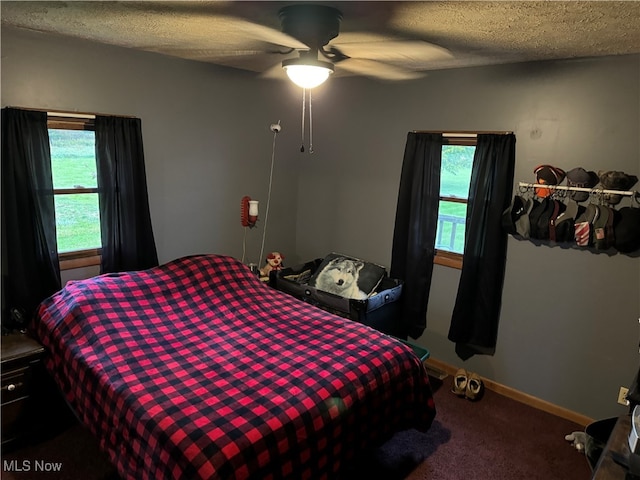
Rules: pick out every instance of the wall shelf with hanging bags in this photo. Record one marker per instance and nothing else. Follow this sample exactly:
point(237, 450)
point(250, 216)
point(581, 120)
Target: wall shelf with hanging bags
point(551, 215)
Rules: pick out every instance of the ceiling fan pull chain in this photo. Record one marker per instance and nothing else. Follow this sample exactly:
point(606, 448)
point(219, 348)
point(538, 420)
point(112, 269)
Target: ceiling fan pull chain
point(310, 126)
point(304, 98)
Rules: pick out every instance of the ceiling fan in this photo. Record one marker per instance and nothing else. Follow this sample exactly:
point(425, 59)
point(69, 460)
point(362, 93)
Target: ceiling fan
point(310, 37)
point(309, 32)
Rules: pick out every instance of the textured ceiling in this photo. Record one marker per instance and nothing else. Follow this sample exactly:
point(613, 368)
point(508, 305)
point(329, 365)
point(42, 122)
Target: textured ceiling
point(247, 35)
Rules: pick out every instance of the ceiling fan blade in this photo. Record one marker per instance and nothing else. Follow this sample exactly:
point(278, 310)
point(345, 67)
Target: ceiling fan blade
point(379, 70)
point(412, 54)
point(270, 35)
point(275, 71)
point(251, 60)
point(393, 49)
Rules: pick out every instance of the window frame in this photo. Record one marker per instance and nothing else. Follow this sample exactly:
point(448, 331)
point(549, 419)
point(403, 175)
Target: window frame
point(444, 257)
point(76, 258)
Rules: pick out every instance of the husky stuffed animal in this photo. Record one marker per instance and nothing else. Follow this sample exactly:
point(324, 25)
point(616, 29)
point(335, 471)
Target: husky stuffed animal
point(340, 277)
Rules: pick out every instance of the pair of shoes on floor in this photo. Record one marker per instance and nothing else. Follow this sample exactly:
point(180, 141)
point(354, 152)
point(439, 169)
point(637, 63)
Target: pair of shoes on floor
point(467, 384)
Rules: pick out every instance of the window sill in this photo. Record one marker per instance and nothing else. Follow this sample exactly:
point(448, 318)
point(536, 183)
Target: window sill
point(448, 259)
point(79, 262)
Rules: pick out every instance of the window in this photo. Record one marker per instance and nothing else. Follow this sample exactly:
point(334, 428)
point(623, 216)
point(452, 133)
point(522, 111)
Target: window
point(457, 160)
point(75, 188)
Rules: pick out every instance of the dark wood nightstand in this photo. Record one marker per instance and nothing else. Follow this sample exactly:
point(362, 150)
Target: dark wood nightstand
point(617, 447)
point(20, 362)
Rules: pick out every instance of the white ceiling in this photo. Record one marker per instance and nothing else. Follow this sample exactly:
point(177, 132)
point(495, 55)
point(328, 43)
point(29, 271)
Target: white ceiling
point(247, 35)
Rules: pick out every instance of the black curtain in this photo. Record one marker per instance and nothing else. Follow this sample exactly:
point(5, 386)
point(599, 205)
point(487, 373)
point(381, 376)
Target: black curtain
point(474, 324)
point(30, 253)
point(125, 221)
point(416, 222)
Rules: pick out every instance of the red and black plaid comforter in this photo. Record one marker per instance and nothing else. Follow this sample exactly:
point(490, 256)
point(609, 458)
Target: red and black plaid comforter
point(196, 369)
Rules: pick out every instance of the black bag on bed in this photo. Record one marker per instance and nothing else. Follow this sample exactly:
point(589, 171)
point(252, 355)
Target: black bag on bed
point(381, 310)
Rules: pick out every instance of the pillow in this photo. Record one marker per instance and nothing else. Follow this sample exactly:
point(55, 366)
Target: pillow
point(347, 277)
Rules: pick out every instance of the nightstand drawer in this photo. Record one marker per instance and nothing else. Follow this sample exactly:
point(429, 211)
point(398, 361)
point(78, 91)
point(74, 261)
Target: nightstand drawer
point(21, 362)
point(15, 384)
point(13, 418)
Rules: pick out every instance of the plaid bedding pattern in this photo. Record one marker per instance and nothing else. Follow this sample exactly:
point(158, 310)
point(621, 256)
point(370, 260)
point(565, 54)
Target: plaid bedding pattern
point(196, 369)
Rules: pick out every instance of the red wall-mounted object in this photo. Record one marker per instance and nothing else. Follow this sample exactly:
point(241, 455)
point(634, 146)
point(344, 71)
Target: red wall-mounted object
point(246, 218)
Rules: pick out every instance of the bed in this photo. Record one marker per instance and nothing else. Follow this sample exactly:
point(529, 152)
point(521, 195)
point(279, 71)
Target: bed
point(197, 369)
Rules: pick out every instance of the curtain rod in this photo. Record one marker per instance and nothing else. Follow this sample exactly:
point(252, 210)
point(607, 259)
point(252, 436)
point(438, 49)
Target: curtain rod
point(464, 133)
point(64, 113)
point(90, 116)
point(628, 193)
point(69, 113)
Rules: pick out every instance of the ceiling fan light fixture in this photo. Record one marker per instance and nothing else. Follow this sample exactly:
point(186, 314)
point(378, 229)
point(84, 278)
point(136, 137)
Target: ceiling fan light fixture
point(307, 72)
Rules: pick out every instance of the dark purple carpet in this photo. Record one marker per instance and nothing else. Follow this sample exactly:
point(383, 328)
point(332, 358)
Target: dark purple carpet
point(493, 439)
